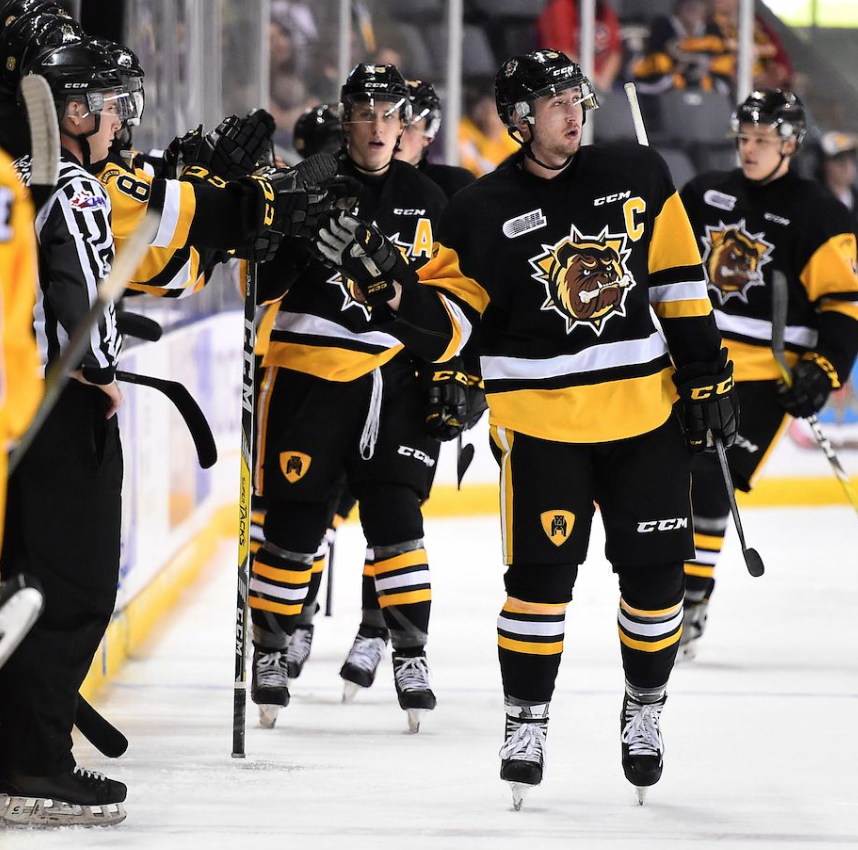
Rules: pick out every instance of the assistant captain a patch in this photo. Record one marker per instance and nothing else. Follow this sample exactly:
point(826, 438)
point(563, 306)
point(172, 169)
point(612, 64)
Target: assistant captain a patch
point(294, 465)
point(557, 525)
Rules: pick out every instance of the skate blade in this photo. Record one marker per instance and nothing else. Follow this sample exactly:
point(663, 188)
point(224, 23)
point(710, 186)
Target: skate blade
point(519, 792)
point(268, 715)
point(415, 715)
point(19, 614)
point(43, 812)
point(350, 691)
point(641, 792)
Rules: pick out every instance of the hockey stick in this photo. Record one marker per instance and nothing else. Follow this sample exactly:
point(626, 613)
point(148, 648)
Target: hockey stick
point(109, 289)
point(21, 603)
point(464, 456)
point(44, 137)
point(100, 732)
point(140, 327)
point(188, 409)
point(753, 561)
point(780, 304)
point(239, 703)
point(329, 583)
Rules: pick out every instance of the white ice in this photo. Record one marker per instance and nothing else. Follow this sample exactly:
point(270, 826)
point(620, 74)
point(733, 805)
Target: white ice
point(760, 731)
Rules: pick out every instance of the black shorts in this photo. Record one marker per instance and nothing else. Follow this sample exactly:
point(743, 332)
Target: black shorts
point(641, 484)
point(761, 422)
point(310, 431)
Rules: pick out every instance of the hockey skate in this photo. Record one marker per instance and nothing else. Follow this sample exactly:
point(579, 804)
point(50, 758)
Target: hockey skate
point(269, 688)
point(361, 664)
point(411, 677)
point(642, 744)
point(77, 798)
point(299, 651)
point(523, 751)
point(20, 605)
point(694, 617)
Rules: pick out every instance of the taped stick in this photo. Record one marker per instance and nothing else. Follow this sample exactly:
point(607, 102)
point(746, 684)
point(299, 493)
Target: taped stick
point(44, 137)
point(637, 117)
point(780, 305)
point(109, 290)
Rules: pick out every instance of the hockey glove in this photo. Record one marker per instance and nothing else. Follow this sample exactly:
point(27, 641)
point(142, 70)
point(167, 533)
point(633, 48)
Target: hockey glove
point(359, 251)
point(447, 401)
point(813, 379)
point(709, 405)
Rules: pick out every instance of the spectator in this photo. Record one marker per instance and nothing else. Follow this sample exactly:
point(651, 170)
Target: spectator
point(838, 168)
point(772, 68)
point(682, 51)
point(288, 93)
point(559, 27)
point(483, 140)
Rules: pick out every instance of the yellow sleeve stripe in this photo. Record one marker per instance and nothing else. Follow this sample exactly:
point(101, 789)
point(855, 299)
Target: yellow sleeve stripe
point(528, 648)
point(399, 562)
point(682, 309)
point(673, 243)
point(456, 342)
point(847, 308)
point(410, 597)
point(831, 268)
point(443, 272)
point(646, 646)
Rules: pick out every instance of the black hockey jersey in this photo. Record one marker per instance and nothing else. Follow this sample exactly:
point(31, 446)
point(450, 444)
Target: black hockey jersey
point(747, 231)
point(320, 328)
point(562, 275)
point(450, 178)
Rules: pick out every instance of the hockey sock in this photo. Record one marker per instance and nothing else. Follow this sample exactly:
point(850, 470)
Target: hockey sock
point(278, 588)
point(311, 606)
point(530, 644)
point(404, 592)
point(372, 622)
point(700, 572)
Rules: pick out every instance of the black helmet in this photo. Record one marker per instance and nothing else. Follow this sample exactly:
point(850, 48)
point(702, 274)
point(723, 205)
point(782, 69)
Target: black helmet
point(523, 79)
point(425, 104)
point(318, 129)
point(369, 83)
point(130, 69)
point(11, 9)
point(28, 34)
point(779, 107)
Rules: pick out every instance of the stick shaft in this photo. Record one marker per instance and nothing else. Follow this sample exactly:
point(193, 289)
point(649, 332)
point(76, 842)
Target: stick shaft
point(637, 117)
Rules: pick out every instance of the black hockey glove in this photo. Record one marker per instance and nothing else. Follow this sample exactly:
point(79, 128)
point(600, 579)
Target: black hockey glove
point(455, 399)
point(359, 251)
point(813, 379)
point(709, 405)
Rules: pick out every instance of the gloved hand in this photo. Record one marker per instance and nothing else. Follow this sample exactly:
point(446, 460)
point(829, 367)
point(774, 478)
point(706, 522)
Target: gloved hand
point(455, 399)
point(709, 405)
point(359, 251)
point(235, 148)
point(813, 379)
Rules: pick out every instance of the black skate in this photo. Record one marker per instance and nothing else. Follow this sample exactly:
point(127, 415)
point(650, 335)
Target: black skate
point(523, 752)
point(21, 602)
point(269, 687)
point(694, 617)
point(411, 677)
point(361, 664)
point(643, 747)
point(299, 651)
point(80, 797)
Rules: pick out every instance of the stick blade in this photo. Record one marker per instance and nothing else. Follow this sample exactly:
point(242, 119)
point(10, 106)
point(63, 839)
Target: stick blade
point(44, 130)
point(463, 462)
point(754, 562)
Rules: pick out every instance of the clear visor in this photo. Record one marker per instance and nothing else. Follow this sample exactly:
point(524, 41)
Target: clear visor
point(364, 111)
point(432, 118)
point(572, 94)
point(116, 102)
point(135, 89)
point(782, 129)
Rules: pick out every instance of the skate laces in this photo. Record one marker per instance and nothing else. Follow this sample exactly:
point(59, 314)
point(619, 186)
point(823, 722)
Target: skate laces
point(412, 674)
point(527, 743)
point(271, 669)
point(84, 773)
point(299, 648)
point(366, 653)
point(641, 731)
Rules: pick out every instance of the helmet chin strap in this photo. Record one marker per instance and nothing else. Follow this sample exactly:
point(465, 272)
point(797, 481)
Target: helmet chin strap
point(764, 181)
point(527, 147)
point(363, 168)
point(83, 140)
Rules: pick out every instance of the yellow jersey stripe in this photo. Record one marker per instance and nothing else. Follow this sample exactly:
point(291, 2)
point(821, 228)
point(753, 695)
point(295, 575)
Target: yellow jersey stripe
point(328, 362)
point(443, 272)
point(673, 242)
point(682, 309)
point(847, 308)
point(756, 362)
point(831, 268)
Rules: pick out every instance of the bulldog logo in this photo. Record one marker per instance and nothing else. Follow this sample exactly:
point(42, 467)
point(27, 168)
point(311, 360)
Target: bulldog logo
point(294, 465)
point(585, 277)
point(557, 525)
point(733, 259)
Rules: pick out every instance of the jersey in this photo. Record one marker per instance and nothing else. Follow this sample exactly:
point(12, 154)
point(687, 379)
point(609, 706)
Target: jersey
point(450, 178)
point(320, 328)
point(75, 252)
point(561, 275)
point(746, 232)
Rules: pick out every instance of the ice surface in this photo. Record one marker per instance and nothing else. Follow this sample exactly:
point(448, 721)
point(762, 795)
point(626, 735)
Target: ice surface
point(760, 731)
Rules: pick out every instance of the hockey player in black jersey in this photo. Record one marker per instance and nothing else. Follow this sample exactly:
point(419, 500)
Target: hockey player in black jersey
point(751, 222)
point(338, 397)
point(318, 129)
point(560, 259)
point(419, 135)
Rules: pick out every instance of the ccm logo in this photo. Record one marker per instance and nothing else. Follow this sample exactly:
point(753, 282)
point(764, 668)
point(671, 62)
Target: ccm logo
point(662, 525)
point(409, 212)
point(417, 455)
point(609, 199)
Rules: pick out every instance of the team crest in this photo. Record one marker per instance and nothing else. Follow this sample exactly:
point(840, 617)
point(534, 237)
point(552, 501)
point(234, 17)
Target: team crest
point(734, 259)
point(557, 525)
point(294, 465)
point(586, 278)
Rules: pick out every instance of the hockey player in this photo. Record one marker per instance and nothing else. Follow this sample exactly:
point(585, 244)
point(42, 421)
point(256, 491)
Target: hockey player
point(750, 222)
point(326, 364)
point(318, 129)
point(559, 258)
point(419, 135)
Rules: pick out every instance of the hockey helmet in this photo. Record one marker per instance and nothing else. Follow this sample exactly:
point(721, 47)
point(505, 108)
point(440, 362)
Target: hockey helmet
point(543, 73)
point(12, 9)
point(780, 108)
point(425, 104)
point(367, 83)
point(318, 129)
point(131, 71)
